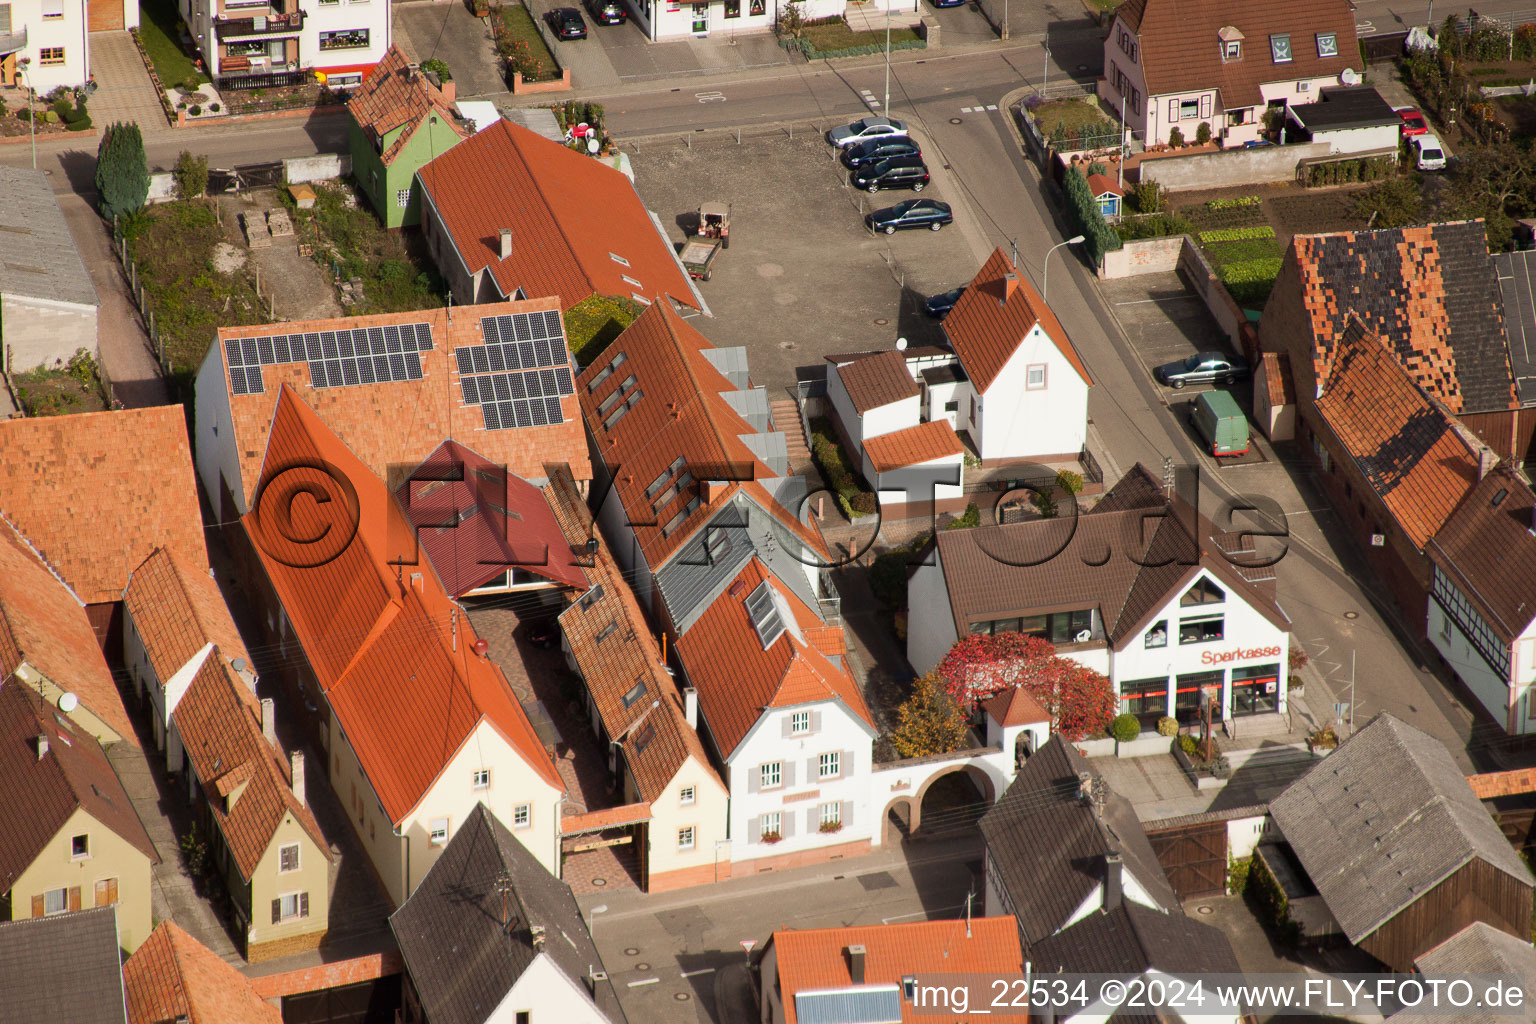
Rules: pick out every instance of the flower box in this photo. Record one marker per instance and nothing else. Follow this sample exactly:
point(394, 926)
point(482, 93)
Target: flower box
point(831, 826)
point(770, 837)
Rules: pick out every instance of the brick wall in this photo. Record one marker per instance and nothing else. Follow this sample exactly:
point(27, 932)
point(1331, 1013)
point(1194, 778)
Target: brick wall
point(259, 951)
point(802, 858)
point(332, 975)
point(1496, 784)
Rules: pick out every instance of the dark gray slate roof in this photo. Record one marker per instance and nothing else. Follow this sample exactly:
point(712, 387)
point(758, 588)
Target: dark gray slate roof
point(1384, 819)
point(1517, 293)
point(1132, 939)
point(38, 257)
point(1353, 106)
point(459, 956)
point(1479, 949)
point(62, 969)
point(1047, 845)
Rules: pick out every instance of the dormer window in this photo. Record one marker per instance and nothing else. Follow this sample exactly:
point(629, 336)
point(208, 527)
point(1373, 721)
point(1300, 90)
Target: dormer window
point(1280, 48)
point(1327, 44)
point(1231, 39)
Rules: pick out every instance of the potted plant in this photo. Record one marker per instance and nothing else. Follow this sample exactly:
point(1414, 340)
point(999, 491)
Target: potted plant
point(831, 826)
point(770, 837)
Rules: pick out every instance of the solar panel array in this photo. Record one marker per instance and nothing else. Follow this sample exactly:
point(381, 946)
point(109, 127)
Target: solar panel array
point(361, 355)
point(519, 375)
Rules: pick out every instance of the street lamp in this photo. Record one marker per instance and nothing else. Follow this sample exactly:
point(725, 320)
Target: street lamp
point(1045, 278)
point(592, 927)
point(21, 69)
point(887, 110)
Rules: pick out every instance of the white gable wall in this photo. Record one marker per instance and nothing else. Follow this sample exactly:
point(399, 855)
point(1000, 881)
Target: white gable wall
point(1133, 891)
point(213, 432)
point(1013, 422)
point(545, 992)
point(930, 632)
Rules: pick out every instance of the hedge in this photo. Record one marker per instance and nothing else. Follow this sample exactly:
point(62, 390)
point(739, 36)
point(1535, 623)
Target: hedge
point(1087, 218)
point(828, 454)
point(1236, 234)
point(808, 48)
point(1344, 172)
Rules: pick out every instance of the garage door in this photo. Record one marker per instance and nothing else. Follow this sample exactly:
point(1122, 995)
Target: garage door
point(105, 15)
point(1194, 857)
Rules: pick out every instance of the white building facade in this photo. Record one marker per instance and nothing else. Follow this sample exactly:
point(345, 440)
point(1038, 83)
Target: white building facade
point(1499, 674)
point(673, 19)
point(342, 38)
point(1036, 408)
point(45, 44)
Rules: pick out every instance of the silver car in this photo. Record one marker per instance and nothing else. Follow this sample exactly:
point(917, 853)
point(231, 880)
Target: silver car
point(864, 129)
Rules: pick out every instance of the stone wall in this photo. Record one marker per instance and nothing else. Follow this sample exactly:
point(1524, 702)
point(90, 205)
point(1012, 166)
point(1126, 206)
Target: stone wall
point(1229, 166)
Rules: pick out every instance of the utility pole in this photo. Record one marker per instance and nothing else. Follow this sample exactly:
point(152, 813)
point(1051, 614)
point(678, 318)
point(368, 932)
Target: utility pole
point(1045, 65)
point(24, 66)
point(1351, 693)
point(887, 110)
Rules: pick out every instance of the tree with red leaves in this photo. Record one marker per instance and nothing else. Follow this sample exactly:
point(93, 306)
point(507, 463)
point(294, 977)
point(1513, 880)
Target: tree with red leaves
point(1079, 700)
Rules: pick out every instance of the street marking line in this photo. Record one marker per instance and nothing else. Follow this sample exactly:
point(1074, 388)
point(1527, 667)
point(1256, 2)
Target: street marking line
point(991, 106)
point(701, 970)
point(965, 110)
point(709, 97)
point(644, 981)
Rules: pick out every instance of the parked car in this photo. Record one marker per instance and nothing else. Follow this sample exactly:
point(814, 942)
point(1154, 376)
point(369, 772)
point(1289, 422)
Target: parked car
point(1413, 121)
point(892, 172)
point(1220, 422)
point(1202, 368)
point(874, 150)
point(939, 305)
point(567, 23)
point(911, 213)
point(1429, 153)
point(948, 3)
point(864, 129)
point(607, 12)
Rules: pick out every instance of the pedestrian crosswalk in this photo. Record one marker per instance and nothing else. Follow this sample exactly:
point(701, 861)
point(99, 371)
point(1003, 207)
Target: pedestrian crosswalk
point(869, 99)
point(978, 110)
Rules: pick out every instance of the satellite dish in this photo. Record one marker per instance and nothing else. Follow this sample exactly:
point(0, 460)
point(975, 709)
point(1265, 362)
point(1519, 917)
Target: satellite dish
point(238, 664)
point(1349, 76)
point(68, 702)
point(593, 145)
point(901, 344)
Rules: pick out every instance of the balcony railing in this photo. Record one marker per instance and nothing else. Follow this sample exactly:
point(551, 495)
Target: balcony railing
point(17, 40)
point(275, 25)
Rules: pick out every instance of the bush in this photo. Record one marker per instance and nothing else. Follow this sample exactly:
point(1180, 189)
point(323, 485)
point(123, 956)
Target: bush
point(191, 175)
point(929, 721)
point(191, 83)
point(122, 172)
point(196, 109)
point(1097, 168)
point(1158, 225)
point(51, 116)
point(1175, 138)
point(829, 457)
point(888, 574)
point(1125, 728)
point(1070, 482)
point(1237, 875)
point(593, 323)
point(1088, 219)
point(1044, 502)
point(1147, 196)
point(438, 67)
point(214, 107)
point(1203, 133)
point(972, 517)
point(1167, 726)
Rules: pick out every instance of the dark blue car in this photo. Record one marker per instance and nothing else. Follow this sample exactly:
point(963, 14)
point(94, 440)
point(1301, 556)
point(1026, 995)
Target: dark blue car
point(875, 150)
point(912, 213)
point(938, 306)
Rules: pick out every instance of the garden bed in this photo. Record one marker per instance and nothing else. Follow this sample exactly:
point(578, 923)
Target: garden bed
point(75, 387)
point(842, 479)
point(1073, 124)
point(521, 45)
point(825, 38)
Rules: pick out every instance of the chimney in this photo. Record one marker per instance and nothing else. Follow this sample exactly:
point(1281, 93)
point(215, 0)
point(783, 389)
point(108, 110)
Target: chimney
point(1114, 881)
point(269, 720)
point(594, 979)
point(536, 931)
point(506, 243)
point(450, 92)
point(856, 964)
point(296, 766)
point(1486, 460)
point(691, 707)
point(42, 745)
point(1085, 787)
point(1010, 285)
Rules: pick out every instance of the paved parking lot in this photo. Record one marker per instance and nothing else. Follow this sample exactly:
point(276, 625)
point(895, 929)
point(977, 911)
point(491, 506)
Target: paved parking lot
point(446, 30)
point(803, 277)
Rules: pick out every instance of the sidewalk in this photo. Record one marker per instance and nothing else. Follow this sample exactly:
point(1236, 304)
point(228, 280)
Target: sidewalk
point(123, 89)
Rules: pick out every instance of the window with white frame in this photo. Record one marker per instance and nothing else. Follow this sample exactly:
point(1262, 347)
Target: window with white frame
point(437, 831)
point(55, 901)
point(288, 858)
point(687, 795)
point(522, 816)
point(800, 723)
point(685, 838)
point(482, 778)
point(770, 824)
point(1232, 49)
point(1327, 44)
point(1034, 377)
point(1189, 109)
point(770, 774)
point(829, 765)
point(79, 847)
point(53, 9)
point(403, 198)
point(290, 905)
point(1280, 48)
point(831, 814)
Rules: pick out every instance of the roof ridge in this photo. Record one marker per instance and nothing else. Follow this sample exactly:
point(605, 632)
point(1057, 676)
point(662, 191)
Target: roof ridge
point(506, 127)
point(41, 558)
point(693, 378)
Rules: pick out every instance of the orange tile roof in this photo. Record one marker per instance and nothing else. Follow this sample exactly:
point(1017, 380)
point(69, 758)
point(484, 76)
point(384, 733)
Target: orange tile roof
point(1277, 379)
point(1103, 184)
point(1180, 51)
point(569, 215)
point(65, 476)
point(392, 655)
point(393, 95)
point(1406, 445)
point(178, 610)
point(815, 959)
point(736, 679)
point(1015, 707)
point(878, 379)
point(679, 413)
point(219, 721)
point(608, 817)
point(989, 322)
point(173, 975)
point(912, 446)
point(393, 426)
point(614, 665)
point(45, 626)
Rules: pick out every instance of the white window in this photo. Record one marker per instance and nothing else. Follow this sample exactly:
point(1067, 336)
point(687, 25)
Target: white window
point(770, 822)
point(5, 19)
point(482, 778)
point(1280, 48)
point(1034, 377)
point(831, 814)
point(829, 766)
point(685, 838)
point(771, 774)
point(437, 831)
point(290, 905)
point(79, 847)
point(1189, 109)
point(522, 815)
point(53, 9)
point(288, 858)
point(686, 795)
point(55, 901)
point(800, 723)
point(403, 198)
point(1232, 50)
point(1327, 44)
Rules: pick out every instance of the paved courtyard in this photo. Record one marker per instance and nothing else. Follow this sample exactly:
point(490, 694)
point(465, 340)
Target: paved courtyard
point(446, 30)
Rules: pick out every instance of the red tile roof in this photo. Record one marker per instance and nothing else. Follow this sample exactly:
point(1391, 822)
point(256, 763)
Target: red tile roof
point(878, 379)
point(394, 95)
point(475, 521)
point(737, 679)
point(570, 216)
point(177, 610)
point(42, 793)
point(816, 959)
point(1180, 49)
point(628, 814)
point(173, 975)
point(219, 721)
point(912, 446)
point(364, 631)
point(393, 426)
point(1280, 389)
point(992, 318)
point(45, 626)
point(1103, 184)
point(1407, 446)
point(67, 475)
point(1487, 548)
point(679, 414)
point(612, 665)
point(1015, 707)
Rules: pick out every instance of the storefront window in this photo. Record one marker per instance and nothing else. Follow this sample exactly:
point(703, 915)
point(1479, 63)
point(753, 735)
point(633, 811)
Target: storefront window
point(1147, 699)
point(1186, 699)
point(1202, 630)
point(1255, 689)
point(733, 8)
point(1157, 636)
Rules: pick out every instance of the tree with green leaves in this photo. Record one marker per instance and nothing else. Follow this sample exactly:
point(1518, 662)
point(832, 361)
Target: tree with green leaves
point(929, 721)
point(1495, 183)
point(191, 174)
point(122, 171)
point(1393, 203)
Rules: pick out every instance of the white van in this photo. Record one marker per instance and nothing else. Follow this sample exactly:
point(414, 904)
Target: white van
point(1430, 153)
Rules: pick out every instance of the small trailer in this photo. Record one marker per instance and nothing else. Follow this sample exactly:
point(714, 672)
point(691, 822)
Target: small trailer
point(712, 235)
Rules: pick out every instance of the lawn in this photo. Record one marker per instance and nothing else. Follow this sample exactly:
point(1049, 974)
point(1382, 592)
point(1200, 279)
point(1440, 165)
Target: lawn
point(834, 34)
point(354, 247)
point(519, 41)
point(595, 321)
point(160, 33)
point(1072, 119)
